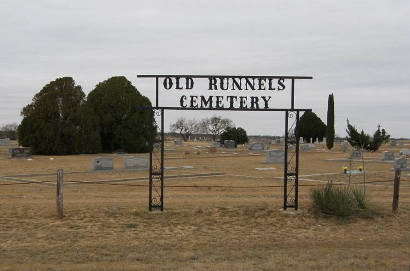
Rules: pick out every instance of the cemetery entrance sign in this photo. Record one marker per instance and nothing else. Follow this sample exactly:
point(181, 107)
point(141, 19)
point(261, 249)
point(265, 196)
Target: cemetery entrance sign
point(225, 93)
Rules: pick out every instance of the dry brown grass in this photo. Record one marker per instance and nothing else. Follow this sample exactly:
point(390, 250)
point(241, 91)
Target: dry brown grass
point(108, 227)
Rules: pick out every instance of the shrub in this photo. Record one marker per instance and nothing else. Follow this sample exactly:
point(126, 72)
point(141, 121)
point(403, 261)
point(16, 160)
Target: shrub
point(360, 198)
point(338, 201)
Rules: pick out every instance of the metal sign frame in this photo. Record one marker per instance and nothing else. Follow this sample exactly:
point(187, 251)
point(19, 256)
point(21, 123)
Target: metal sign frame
point(291, 163)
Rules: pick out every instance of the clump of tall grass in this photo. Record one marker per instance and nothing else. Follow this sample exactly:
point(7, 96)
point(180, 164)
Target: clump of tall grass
point(338, 200)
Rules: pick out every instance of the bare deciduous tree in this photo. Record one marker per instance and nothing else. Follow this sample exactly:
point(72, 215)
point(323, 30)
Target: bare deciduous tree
point(217, 125)
point(9, 130)
point(184, 127)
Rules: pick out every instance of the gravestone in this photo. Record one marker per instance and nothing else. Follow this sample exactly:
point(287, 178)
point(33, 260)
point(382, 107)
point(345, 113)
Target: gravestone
point(388, 156)
point(393, 143)
point(257, 146)
point(401, 144)
point(301, 141)
point(178, 142)
point(304, 147)
point(20, 152)
point(216, 144)
point(4, 141)
point(355, 154)
point(135, 163)
point(277, 141)
point(344, 145)
point(405, 152)
point(312, 145)
point(400, 163)
point(229, 144)
point(103, 163)
point(274, 156)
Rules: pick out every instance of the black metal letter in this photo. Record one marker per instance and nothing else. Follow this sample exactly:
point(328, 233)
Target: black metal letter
point(212, 83)
point(264, 98)
point(167, 82)
point(189, 83)
point(182, 100)
point(281, 84)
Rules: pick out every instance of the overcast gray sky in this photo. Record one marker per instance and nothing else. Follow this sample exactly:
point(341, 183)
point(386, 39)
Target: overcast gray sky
point(359, 50)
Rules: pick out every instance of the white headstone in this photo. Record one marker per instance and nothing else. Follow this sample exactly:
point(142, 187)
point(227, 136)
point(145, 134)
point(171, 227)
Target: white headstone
point(401, 144)
point(355, 154)
point(344, 145)
point(135, 163)
point(388, 156)
point(257, 146)
point(312, 145)
point(274, 156)
point(304, 147)
point(4, 141)
point(400, 163)
point(405, 153)
point(103, 163)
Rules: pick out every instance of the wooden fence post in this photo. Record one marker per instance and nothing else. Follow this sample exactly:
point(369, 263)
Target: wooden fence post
point(397, 172)
point(60, 182)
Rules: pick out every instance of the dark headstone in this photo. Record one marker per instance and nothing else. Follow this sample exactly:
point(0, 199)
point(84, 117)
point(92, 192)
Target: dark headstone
point(229, 144)
point(19, 152)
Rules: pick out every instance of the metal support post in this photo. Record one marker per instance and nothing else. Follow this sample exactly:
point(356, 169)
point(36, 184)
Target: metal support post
point(291, 163)
point(156, 174)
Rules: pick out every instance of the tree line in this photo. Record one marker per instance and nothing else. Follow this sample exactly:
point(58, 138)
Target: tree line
point(217, 127)
point(62, 120)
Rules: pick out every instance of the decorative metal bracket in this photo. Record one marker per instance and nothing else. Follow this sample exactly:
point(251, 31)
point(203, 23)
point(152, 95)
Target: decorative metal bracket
point(291, 165)
point(156, 167)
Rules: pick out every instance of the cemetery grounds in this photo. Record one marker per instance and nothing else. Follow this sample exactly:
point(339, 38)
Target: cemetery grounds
point(221, 214)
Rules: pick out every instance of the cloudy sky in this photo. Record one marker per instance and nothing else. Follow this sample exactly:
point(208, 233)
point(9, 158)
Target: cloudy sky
point(358, 50)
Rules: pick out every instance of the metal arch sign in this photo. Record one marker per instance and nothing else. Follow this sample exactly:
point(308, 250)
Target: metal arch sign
point(234, 88)
point(262, 89)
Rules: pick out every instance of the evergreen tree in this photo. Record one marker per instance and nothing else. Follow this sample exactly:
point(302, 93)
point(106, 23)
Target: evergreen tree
point(122, 123)
point(52, 122)
point(365, 141)
point(311, 127)
point(237, 134)
point(330, 127)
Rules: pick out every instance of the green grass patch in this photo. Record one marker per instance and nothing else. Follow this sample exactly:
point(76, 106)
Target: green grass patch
point(339, 201)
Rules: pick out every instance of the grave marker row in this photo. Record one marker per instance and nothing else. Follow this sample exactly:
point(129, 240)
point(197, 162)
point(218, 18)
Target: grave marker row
point(257, 146)
point(229, 144)
point(4, 141)
point(19, 152)
point(130, 163)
